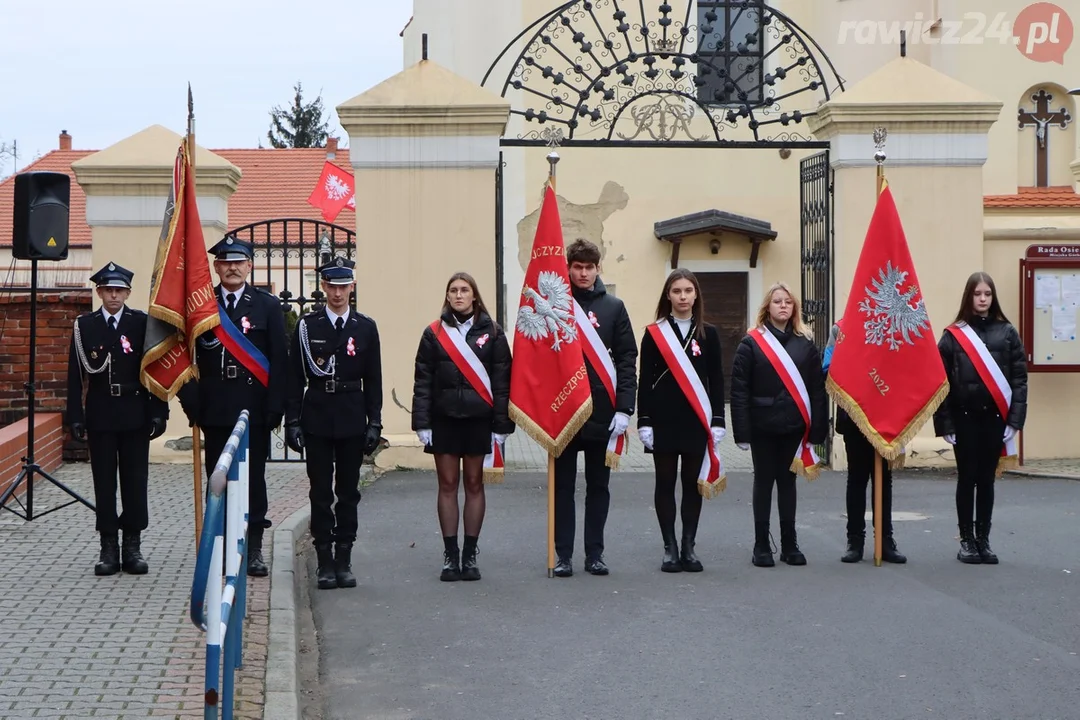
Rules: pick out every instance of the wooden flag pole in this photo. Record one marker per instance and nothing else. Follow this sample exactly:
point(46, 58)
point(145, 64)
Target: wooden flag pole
point(553, 160)
point(879, 140)
point(196, 439)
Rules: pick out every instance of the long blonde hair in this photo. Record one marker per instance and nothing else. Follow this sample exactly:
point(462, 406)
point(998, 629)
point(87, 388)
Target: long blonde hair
point(796, 322)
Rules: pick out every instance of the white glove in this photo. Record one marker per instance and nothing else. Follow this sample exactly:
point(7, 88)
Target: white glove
point(951, 439)
point(500, 439)
point(743, 446)
point(424, 436)
point(645, 434)
point(1010, 433)
point(619, 423)
point(718, 434)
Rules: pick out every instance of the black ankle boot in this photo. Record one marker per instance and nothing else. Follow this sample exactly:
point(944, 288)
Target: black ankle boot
point(688, 560)
point(469, 571)
point(855, 546)
point(789, 544)
point(671, 563)
point(327, 577)
point(131, 559)
point(109, 560)
point(763, 556)
point(256, 566)
point(982, 543)
point(969, 552)
point(451, 566)
point(343, 565)
point(889, 552)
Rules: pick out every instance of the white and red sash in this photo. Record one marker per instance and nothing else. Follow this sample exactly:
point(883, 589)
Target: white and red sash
point(806, 461)
point(600, 359)
point(993, 378)
point(711, 478)
point(467, 362)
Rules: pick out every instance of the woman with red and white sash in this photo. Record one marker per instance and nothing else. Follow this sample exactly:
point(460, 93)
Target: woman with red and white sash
point(778, 412)
point(986, 366)
point(460, 413)
point(681, 412)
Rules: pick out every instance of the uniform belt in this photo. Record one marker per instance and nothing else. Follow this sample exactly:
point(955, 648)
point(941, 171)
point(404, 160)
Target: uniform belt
point(123, 389)
point(331, 386)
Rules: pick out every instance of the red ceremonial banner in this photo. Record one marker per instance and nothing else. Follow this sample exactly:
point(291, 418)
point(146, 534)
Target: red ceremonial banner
point(886, 370)
point(550, 396)
point(335, 191)
point(182, 303)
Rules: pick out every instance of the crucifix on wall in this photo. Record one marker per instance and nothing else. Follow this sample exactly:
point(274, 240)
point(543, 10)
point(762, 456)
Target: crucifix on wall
point(1043, 119)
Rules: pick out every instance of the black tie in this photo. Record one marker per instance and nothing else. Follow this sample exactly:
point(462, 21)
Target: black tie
point(230, 303)
point(339, 324)
point(112, 322)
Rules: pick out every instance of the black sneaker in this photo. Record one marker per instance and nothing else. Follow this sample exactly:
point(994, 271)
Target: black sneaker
point(596, 566)
point(451, 570)
point(563, 568)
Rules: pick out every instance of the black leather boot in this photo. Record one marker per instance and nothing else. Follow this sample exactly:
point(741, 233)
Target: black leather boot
point(343, 565)
point(889, 553)
point(131, 559)
point(109, 560)
point(327, 577)
point(763, 556)
point(256, 566)
point(855, 546)
point(982, 543)
point(969, 552)
point(789, 544)
point(469, 571)
point(687, 558)
point(451, 566)
point(671, 563)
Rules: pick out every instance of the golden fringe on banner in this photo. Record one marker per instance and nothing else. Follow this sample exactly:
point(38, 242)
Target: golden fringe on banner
point(712, 490)
point(1009, 462)
point(612, 460)
point(810, 473)
point(554, 446)
point(494, 476)
point(888, 451)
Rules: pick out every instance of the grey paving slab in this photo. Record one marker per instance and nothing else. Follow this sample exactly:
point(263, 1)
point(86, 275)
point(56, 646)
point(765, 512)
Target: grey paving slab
point(930, 639)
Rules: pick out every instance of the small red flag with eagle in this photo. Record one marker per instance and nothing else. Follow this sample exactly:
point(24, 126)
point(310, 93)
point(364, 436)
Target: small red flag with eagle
point(335, 191)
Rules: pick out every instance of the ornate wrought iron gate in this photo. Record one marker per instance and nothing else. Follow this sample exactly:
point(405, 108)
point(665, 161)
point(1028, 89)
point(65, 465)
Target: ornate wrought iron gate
point(287, 253)
point(817, 291)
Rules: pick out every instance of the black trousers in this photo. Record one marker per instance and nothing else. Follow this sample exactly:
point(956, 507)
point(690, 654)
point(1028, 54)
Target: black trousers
point(333, 467)
point(772, 455)
point(978, 449)
point(129, 453)
point(597, 498)
point(860, 471)
point(258, 449)
point(667, 475)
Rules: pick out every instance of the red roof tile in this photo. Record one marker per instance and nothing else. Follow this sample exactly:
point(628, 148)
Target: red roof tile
point(275, 184)
point(1058, 196)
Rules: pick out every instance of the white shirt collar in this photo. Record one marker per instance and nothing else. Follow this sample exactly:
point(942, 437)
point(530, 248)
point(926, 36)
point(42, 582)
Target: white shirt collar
point(105, 313)
point(463, 327)
point(333, 317)
point(236, 293)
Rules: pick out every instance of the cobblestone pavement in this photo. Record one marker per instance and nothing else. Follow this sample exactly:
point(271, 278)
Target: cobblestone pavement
point(77, 646)
point(1056, 467)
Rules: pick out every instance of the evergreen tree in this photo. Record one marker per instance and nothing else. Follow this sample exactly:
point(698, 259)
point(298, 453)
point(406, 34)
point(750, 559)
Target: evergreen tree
point(299, 126)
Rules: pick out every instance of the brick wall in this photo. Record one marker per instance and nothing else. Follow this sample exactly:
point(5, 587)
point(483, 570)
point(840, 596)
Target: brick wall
point(48, 447)
point(56, 313)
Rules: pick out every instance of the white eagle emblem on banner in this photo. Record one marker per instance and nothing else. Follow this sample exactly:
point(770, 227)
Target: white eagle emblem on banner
point(893, 313)
point(550, 312)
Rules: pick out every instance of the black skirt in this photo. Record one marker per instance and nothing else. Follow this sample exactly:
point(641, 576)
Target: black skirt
point(457, 436)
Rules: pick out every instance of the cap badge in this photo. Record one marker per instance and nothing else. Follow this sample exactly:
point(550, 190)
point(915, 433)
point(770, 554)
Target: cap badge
point(340, 262)
point(228, 241)
point(112, 266)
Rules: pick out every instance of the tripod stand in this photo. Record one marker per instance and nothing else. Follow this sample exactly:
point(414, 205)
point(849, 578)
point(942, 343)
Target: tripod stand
point(31, 468)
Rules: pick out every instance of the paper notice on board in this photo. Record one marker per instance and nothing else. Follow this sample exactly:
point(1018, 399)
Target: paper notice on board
point(1047, 291)
point(1063, 323)
point(1070, 289)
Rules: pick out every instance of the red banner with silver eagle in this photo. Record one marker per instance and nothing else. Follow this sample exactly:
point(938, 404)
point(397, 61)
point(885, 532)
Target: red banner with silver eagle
point(550, 397)
point(182, 303)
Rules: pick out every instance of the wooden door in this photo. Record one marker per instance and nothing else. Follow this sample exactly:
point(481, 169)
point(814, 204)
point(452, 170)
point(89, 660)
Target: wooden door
point(725, 298)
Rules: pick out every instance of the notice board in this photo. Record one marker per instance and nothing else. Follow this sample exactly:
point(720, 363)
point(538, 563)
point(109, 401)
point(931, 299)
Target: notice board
point(1050, 307)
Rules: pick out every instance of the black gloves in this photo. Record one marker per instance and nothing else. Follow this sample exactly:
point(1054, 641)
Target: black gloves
point(371, 439)
point(294, 437)
point(157, 427)
point(78, 431)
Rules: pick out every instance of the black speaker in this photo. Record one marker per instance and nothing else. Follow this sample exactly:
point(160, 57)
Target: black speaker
point(40, 228)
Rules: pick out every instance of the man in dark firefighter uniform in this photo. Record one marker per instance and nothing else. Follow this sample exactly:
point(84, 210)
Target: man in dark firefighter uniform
point(247, 373)
point(120, 417)
point(338, 418)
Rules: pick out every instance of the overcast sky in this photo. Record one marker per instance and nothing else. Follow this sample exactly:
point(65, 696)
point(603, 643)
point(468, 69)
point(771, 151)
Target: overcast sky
point(106, 69)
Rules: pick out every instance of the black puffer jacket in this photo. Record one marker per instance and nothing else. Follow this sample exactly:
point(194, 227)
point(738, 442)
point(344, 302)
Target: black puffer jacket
point(439, 388)
point(761, 404)
point(612, 324)
point(967, 392)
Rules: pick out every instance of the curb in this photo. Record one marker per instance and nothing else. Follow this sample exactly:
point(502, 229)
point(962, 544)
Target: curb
point(1044, 474)
point(282, 697)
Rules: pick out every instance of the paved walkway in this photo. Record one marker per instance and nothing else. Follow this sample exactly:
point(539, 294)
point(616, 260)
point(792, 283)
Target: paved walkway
point(73, 645)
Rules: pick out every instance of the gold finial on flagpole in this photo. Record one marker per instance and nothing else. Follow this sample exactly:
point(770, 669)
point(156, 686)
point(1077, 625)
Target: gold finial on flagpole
point(880, 134)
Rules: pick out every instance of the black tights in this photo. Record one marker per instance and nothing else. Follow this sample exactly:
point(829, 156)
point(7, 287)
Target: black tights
point(448, 468)
point(666, 465)
point(772, 456)
point(977, 451)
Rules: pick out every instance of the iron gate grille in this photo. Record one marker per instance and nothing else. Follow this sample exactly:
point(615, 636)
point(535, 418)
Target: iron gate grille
point(287, 253)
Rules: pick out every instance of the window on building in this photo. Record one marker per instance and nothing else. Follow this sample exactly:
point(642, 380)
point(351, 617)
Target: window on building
point(731, 49)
